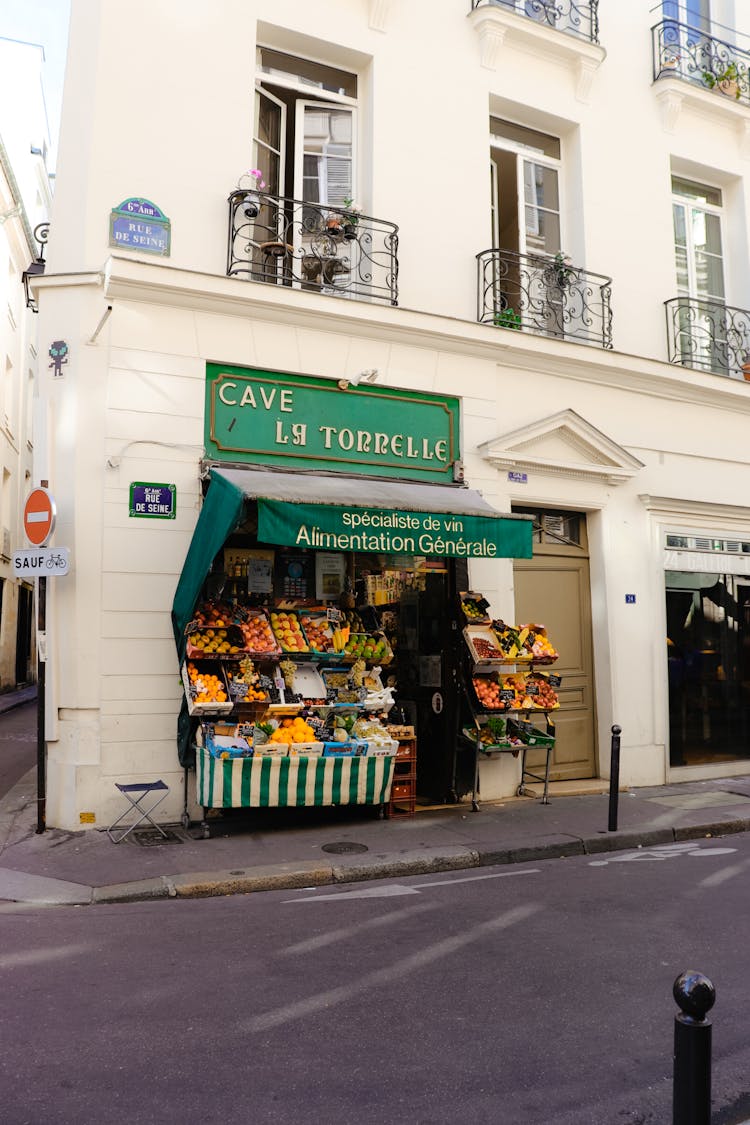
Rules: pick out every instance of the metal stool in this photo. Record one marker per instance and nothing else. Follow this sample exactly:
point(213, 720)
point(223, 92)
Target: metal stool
point(135, 793)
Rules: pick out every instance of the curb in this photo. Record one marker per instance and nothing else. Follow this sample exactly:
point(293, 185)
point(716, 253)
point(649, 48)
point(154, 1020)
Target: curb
point(16, 886)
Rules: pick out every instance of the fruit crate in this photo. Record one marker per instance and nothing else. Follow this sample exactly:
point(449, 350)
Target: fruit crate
point(483, 647)
point(373, 648)
point(214, 642)
point(204, 668)
point(258, 637)
point(475, 608)
point(288, 631)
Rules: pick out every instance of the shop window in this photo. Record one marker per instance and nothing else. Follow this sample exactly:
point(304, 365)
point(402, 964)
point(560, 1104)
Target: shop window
point(708, 667)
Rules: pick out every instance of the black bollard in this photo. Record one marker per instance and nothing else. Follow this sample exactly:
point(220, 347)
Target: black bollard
point(614, 779)
point(695, 996)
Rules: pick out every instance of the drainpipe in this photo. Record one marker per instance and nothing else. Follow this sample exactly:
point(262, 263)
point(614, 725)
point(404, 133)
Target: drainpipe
point(15, 192)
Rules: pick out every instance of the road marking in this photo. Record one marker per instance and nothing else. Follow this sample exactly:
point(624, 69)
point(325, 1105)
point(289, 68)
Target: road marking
point(475, 878)
point(345, 932)
point(393, 890)
point(395, 971)
point(661, 852)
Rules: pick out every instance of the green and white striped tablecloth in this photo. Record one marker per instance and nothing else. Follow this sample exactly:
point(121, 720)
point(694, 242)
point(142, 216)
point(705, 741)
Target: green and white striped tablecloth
point(276, 782)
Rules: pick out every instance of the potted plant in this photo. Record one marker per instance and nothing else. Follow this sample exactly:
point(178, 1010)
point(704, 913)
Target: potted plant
point(507, 318)
point(746, 367)
point(729, 81)
point(334, 224)
point(564, 271)
point(352, 212)
point(251, 202)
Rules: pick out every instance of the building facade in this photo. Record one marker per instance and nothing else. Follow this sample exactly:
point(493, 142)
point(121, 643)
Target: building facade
point(25, 198)
point(547, 214)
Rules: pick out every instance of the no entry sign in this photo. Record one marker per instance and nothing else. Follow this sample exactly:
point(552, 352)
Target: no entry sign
point(39, 516)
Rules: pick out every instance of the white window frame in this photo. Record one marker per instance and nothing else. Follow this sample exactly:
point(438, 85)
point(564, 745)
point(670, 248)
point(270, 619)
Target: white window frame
point(301, 106)
point(525, 153)
point(261, 93)
point(689, 206)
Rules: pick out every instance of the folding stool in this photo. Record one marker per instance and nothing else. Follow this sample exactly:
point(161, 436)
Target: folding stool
point(135, 793)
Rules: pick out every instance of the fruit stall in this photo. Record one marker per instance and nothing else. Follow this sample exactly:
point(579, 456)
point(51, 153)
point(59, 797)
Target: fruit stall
point(505, 694)
point(296, 659)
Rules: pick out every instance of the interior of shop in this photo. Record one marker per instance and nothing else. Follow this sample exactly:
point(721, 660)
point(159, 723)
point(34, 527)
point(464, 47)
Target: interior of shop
point(708, 662)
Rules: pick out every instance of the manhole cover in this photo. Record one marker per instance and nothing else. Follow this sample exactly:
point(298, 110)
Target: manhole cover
point(150, 838)
point(344, 848)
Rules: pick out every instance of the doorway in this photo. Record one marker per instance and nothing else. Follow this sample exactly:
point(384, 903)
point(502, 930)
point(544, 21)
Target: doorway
point(553, 589)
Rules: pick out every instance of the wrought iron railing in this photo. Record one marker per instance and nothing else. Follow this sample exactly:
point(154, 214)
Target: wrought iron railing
point(311, 246)
point(708, 335)
point(576, 17)
point(545, 295)
point(681, 51)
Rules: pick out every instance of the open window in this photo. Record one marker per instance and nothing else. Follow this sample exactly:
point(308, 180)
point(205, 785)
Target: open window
point(304, 147)
point(702, 324)
point(524, 167)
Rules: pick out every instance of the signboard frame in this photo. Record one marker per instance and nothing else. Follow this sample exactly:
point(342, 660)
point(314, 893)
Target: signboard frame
point(309, 423)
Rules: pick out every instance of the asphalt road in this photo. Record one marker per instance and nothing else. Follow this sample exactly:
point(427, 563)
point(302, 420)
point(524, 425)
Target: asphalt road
point(532, 995)
point(17, 744)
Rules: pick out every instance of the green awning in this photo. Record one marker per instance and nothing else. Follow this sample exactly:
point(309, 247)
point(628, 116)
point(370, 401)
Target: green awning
point(339, 513)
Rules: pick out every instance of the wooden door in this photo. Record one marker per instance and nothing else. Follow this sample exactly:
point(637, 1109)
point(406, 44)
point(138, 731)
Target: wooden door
point(553, 589)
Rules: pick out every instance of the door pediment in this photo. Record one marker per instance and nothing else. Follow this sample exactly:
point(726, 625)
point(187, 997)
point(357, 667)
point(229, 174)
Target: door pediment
point(564, 444)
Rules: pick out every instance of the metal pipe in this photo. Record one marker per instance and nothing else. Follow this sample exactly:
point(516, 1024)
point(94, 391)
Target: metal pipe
point(41, 675)
point(614, 779)
point(691, 1102)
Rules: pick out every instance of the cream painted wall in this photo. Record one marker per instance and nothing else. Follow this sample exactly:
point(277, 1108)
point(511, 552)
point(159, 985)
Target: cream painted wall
point(176, 129)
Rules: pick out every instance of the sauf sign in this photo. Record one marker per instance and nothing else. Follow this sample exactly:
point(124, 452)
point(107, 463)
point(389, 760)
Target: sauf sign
point(301, 422)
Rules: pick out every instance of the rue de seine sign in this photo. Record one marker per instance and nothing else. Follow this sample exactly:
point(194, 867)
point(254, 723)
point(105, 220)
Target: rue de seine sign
point(306, 423)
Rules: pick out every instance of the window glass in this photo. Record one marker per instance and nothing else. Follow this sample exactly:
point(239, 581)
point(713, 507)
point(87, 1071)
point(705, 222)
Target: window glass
point(327, 156)
point(525, 138)
point(699, 193)
point(708, 667)
point(307, 73)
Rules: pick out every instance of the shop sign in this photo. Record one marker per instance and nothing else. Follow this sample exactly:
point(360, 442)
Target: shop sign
point(153, 501)
point(387, 531)
point(138, 224)
point(307, 423)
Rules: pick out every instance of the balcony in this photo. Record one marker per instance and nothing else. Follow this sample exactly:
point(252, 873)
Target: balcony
point(574, 17)
point(545, 296)
point(708, 335)
point(314, 247)
point(714, 64)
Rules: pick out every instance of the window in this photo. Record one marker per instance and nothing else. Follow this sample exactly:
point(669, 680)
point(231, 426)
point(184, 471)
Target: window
point(305, 129)
point(708, 666)
point(697, 216)
point(694, 14)
point(525, 193)
point(527, 285)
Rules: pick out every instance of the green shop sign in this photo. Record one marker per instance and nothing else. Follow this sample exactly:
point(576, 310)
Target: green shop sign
point(387, 531)
point(303, 422)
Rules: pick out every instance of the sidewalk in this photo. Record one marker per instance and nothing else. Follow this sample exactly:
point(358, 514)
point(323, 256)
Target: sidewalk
point(265, 849)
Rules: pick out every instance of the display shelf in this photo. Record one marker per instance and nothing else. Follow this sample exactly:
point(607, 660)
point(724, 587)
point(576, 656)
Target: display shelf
point(404, 788)
point(508, 698)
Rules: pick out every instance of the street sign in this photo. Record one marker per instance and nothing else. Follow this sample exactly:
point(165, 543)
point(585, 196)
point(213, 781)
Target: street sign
point(41, 562)
point(39, 516)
